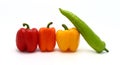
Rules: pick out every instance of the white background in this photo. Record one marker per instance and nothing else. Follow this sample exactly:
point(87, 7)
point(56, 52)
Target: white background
point(103, 16)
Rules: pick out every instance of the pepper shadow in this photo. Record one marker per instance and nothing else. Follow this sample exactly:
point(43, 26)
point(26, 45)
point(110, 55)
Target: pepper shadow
point(68, 51)
point(24, 52)
point(89, 51)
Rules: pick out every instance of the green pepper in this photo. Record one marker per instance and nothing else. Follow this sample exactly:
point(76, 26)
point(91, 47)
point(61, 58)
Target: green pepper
point(92, 39)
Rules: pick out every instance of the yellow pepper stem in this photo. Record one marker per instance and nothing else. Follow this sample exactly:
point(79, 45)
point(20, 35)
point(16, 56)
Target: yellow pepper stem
point(64, 26)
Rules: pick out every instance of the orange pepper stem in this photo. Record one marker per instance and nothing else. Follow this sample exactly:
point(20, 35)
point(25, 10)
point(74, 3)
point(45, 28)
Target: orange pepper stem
point(49, 24)
point(64, 26)
point(25, 24)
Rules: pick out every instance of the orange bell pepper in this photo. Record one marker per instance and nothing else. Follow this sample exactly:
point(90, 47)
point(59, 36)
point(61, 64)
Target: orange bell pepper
point(47, 38)
point(68, 39)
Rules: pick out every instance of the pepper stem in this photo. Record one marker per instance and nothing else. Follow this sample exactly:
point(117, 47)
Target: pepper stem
point(106, 50)
point(64, 26)
point(49, 24)
point(25, 24)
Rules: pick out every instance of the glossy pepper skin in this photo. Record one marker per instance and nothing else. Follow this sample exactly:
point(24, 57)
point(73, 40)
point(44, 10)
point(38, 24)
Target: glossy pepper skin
point(27, 39)
point(47, 38)
point(68, 40)
point(88, 34)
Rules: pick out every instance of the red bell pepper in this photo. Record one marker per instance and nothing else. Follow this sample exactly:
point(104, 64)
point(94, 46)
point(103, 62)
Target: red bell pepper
point(47, 38)
point(27, 39)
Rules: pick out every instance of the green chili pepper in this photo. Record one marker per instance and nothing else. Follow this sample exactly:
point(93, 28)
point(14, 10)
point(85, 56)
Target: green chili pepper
point(92, 39)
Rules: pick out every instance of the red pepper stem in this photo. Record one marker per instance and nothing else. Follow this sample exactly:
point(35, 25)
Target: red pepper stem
point(25, 24)
point(64, 26)
point(49, 24)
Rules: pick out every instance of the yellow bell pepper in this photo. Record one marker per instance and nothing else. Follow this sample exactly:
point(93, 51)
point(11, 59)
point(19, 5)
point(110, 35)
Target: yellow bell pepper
point(68, 40)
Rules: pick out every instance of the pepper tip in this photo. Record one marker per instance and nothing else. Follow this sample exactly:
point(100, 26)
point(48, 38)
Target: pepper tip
point(106, 50)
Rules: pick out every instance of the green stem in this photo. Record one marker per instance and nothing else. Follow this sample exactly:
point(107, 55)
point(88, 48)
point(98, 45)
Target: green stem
point(25, 24)
point(49, 24)
point(64, 26)
point(106, 50)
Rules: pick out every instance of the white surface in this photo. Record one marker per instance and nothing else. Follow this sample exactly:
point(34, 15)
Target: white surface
point(103, 16)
